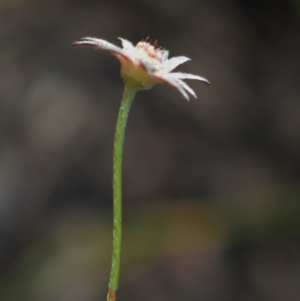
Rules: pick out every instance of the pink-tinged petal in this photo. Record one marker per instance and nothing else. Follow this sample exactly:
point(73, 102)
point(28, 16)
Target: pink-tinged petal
point(103, 45)
point(190, 76)
point(173, 82)
point(97, 43)
point(126, 44)
point(172, 63)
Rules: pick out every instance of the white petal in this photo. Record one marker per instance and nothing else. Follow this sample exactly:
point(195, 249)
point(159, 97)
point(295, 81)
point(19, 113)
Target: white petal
point(97, 43)
point(149, 66)
point(164, 54)
point(187, 88)
point(172, 63)
point(104, 45)
point(180, 89)
point(190, 76)
point(126, 44)
point(174, 82)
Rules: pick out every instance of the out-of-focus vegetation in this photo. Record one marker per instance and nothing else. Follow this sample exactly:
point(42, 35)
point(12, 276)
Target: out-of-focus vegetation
point(72, 260)
point(211, 187)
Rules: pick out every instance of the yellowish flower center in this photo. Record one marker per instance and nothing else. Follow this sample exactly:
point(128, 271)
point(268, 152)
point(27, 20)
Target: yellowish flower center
point(146, 60)
point(136, 75)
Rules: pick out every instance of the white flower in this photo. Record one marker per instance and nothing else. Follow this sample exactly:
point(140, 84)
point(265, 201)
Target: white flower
point(146, 64)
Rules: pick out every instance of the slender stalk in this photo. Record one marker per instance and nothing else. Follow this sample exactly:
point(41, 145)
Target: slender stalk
point(126, 102)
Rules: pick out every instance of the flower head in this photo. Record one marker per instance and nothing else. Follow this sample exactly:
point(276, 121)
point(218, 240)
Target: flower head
point(146, 64)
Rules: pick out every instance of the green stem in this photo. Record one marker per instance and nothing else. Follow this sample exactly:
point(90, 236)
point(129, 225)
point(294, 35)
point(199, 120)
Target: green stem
point(128, 96)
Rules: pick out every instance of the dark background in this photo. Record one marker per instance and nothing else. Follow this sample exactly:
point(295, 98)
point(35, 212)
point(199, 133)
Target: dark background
point(211, 187)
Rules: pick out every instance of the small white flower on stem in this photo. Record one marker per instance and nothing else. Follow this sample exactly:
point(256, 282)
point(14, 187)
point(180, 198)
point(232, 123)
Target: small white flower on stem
point(146, 64)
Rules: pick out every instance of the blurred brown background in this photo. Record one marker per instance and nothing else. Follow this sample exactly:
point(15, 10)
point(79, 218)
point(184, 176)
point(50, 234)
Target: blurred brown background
point(211, 187)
